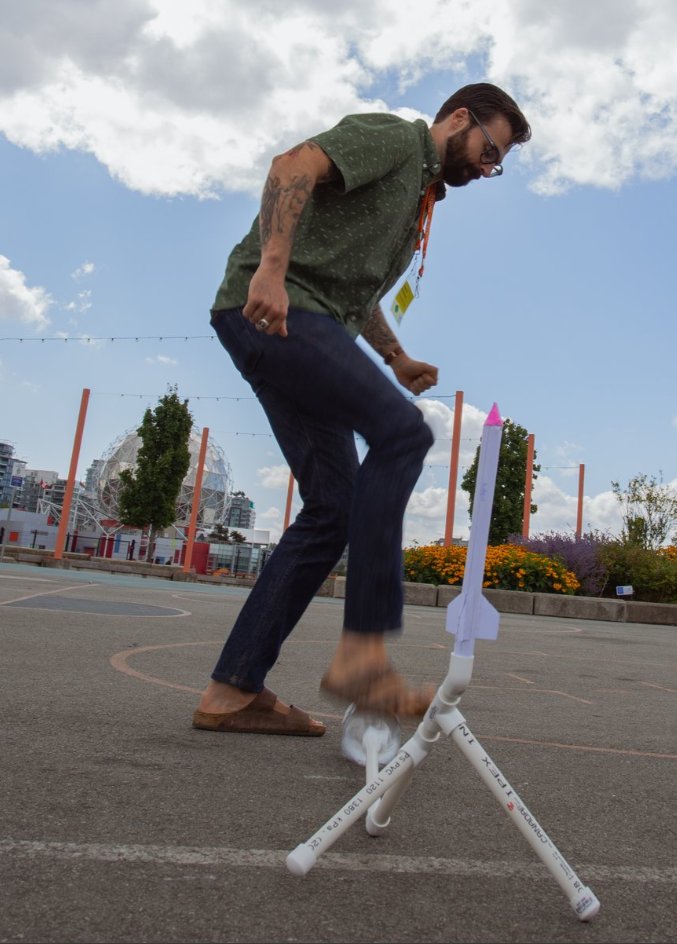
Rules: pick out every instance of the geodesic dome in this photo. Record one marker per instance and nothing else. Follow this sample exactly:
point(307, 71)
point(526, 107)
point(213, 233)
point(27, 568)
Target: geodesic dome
point(217, 480)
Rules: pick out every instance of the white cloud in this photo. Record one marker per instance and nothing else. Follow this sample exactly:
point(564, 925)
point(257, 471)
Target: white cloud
point(190, 98)
point(161, 359)
point(85, 269)
point(273, 515)
point(426, 515)
point(440, 419)
point(274, 476)
point(18, 301)
point(83, 303)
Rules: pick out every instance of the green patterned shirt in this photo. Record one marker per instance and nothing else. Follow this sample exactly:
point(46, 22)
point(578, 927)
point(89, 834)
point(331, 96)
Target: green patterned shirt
point(355, 237)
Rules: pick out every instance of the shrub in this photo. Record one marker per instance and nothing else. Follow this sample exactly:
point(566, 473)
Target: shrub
point(579, 555)
point(652, 574)
point(507, 567)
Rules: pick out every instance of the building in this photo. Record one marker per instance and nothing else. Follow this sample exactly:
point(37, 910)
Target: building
point(36, 483)
point(10, 467)
point(92, 475)
point(240, 514)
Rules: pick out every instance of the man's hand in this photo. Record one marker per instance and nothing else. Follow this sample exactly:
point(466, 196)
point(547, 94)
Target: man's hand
point(416, 376)
point(267, 302)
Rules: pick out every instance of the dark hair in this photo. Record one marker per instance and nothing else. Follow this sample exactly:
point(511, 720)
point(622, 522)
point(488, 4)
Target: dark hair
point(485, 101)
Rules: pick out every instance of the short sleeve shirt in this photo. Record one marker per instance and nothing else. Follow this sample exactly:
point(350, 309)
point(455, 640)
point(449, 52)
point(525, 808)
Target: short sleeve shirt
point(356, 236)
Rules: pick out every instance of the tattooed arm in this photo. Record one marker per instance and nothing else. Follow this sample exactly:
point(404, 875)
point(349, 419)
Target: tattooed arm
point(290, 181)
point(416, 376)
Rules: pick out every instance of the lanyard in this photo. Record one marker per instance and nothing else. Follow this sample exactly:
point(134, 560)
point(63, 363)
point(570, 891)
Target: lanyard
point(406, 294)
point(423, 229)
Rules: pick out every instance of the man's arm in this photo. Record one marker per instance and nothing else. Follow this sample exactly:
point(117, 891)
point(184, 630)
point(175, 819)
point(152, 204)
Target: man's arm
point(416, 376)
point(291, 179)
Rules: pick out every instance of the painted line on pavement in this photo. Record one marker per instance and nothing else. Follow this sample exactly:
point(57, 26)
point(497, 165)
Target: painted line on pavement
point(332, 861)
point(45, 593)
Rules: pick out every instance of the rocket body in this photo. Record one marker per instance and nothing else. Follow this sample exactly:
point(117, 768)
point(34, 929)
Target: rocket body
point(470, 616)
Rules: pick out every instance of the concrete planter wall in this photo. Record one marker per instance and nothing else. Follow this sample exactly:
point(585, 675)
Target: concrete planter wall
point(415, 594)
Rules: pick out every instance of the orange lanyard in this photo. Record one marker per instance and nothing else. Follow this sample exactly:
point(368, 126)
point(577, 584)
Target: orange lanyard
point(423, 228)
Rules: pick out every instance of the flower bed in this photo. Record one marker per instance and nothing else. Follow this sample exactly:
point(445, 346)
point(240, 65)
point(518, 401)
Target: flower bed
point(507, 567)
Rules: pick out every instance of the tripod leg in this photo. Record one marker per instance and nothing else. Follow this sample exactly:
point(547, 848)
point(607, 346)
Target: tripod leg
point(581, 898)
point(378, 815)
point(301, 860)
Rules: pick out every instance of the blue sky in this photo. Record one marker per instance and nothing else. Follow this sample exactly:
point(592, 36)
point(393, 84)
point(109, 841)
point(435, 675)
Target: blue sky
point(130, 167)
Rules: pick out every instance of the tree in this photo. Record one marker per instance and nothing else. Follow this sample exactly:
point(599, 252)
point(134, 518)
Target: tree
point(508, 507)
point(149, 493)
point(237, 538)
point(219, 534)
point(649, 510)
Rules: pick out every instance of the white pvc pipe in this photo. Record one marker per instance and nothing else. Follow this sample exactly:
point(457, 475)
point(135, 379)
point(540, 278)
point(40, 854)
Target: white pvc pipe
point(581, 898)
point(301, 860)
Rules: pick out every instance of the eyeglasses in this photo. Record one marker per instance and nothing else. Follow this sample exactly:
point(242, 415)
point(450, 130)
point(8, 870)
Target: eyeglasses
point(491, 154)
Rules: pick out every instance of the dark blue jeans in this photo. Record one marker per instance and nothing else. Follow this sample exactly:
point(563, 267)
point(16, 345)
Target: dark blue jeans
point(318, 387)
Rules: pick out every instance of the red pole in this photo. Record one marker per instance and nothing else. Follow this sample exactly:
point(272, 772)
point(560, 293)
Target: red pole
point(579, 517)
point(70, 485)
point(188, 559)
point(453, 468)
point(527, 486)
point(287, 511)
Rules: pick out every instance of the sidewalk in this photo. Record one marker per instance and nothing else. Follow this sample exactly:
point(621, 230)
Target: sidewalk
point(121, 823)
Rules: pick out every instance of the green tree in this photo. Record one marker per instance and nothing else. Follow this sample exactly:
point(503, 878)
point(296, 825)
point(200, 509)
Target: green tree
point(219, 534)
point(149, 492)
point(649, 510)
point(237, 538)
point(508, 507)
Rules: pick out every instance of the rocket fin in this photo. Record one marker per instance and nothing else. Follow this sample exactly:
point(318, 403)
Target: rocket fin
point(485, 625)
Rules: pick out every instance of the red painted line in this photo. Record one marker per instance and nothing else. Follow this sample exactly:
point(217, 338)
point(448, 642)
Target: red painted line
point(119, 661)
point(577, 747)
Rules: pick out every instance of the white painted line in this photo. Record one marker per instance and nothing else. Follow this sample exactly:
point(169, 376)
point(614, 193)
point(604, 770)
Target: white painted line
point(25, 579)
point(46, 593)
point(332, 861)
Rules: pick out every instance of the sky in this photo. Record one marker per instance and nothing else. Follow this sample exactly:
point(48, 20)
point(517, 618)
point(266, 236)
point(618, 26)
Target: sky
point(135, 137)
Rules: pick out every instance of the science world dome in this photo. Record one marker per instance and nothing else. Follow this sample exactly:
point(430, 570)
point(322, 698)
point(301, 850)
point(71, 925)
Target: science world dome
point(217, 480)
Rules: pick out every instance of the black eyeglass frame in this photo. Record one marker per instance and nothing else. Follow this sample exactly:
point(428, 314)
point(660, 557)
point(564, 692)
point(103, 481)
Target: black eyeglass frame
point(491, 154)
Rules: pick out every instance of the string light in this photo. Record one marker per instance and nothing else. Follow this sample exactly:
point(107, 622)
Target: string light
point(170, 337)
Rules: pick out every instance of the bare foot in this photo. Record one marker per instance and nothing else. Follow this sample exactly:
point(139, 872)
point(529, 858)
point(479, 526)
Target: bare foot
point(360, 672)
point(220, 698)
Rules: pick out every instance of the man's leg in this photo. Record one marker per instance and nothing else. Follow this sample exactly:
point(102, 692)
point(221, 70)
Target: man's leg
point(324, 464)
point(335, 386)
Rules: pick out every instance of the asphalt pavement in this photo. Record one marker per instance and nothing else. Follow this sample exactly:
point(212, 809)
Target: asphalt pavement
point(121, 823)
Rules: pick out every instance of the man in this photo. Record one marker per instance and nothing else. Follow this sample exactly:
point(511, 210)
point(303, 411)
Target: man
point(341, 216)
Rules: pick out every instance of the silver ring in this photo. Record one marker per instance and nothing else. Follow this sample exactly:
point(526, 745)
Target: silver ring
point(262, 324)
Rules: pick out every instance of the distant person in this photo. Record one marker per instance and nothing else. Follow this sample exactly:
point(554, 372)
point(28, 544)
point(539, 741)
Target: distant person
point(341, 216)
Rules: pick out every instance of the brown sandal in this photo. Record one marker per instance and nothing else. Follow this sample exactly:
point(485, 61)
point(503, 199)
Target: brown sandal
point(260, 717)
point(381, 689)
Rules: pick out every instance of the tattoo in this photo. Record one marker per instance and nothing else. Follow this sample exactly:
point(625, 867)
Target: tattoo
point(282, 205)
point(296, 150)
point(330, 174)
point(286, 191)
point(377, 333)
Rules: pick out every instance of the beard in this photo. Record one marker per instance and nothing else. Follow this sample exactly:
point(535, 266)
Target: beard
point(458, 171)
